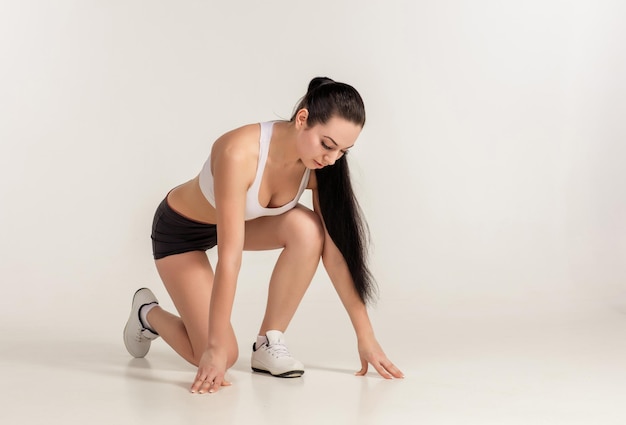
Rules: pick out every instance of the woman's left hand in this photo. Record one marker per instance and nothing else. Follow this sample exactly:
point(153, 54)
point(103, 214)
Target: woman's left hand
point(371, 353)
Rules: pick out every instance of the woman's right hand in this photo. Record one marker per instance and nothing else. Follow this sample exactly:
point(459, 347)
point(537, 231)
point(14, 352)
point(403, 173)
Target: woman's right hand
point(211, 371)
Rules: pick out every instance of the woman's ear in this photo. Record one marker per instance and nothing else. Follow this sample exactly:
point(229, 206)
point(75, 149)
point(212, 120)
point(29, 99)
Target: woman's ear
point(301, 118)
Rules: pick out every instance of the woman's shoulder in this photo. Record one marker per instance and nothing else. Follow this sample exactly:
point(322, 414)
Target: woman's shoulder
point(244, 132)
point(240, 142)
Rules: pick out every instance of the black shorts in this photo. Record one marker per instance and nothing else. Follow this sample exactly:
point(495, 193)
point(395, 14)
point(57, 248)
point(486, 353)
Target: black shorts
point(174, 234)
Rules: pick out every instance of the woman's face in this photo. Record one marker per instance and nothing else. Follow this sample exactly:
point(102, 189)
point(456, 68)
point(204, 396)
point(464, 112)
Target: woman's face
point(323, 144)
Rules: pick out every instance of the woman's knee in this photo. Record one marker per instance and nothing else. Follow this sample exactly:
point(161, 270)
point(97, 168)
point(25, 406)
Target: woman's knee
point(233, 355)
point(305, 228)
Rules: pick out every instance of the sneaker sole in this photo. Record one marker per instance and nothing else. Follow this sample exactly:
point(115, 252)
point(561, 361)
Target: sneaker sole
point(128, 322)
point(290, 374)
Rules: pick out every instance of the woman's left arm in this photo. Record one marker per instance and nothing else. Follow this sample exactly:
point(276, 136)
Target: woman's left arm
point(370, 351)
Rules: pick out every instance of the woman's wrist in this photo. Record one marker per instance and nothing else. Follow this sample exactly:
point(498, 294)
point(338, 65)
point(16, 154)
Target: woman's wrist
point(361, 323)
point(365, 334)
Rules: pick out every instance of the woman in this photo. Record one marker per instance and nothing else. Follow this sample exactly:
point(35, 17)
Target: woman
point(246, 197)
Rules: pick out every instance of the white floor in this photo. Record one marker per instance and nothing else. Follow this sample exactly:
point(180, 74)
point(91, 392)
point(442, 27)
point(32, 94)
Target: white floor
point(460, 369)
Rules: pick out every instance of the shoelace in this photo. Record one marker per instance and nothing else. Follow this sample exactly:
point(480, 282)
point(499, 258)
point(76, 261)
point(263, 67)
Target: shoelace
point(139, 336)
point(278, 350)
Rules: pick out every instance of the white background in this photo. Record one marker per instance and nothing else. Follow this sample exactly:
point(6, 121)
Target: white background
point(491, 168)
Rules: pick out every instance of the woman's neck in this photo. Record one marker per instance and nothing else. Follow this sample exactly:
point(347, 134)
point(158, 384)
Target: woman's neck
point(284, 136)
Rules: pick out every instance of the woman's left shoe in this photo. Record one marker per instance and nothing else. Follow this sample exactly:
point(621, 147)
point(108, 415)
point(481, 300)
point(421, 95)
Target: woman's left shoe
point(137, 337)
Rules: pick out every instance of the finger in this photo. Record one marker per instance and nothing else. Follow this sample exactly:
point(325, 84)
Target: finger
point(203, 385)
point(197, 383)
point(216, 384)
point(381, 369)
point(392, 369)
point(364, 367)
point(206, 384)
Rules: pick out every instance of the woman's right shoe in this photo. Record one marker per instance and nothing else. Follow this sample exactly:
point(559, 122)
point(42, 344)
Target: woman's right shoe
point(274, 358)
point(137, 337)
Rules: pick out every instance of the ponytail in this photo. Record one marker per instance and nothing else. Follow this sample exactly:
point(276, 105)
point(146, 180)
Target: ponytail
point(339, 207)
point(345, 224)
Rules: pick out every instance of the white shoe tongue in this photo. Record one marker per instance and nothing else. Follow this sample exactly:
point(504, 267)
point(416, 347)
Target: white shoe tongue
point(275, 337)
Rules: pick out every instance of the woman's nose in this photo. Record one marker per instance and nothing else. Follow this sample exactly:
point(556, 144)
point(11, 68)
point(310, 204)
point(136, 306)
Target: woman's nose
point(331, 157)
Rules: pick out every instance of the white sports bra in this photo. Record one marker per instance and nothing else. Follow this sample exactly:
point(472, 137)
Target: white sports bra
point(253, 208)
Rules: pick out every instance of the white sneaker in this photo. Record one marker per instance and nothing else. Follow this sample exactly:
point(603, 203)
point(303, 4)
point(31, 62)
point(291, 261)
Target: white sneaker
point(273, 357)
point(137, 337)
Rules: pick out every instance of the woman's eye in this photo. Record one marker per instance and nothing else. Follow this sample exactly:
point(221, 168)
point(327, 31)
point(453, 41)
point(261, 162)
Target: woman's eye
point(326, 146)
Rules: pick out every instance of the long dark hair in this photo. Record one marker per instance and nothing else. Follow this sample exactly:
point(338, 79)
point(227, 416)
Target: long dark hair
point(340, 209)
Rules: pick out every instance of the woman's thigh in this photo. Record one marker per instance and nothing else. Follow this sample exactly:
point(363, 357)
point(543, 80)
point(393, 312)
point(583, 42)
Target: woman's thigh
point(297, 226)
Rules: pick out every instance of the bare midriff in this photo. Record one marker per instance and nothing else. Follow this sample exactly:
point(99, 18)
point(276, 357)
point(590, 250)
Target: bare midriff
point(188, 200)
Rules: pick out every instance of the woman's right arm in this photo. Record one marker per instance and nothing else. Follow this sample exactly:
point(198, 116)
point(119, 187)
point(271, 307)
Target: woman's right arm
point(231, 164)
